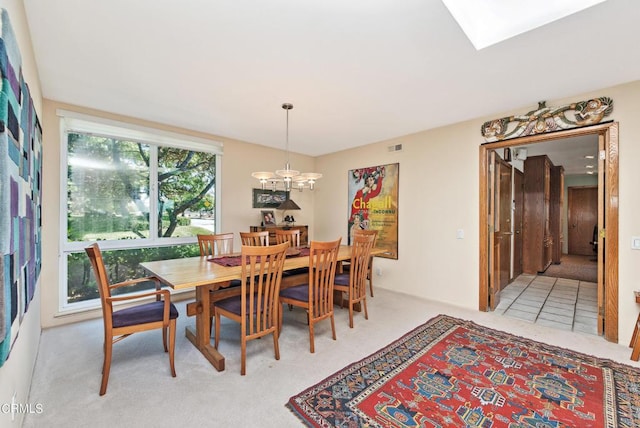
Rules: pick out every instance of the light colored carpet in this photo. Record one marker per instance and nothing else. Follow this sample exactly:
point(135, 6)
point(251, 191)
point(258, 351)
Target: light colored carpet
point(142, 393)
point(582, 268)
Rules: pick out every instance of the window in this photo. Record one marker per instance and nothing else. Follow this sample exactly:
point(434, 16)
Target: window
point(144, 194)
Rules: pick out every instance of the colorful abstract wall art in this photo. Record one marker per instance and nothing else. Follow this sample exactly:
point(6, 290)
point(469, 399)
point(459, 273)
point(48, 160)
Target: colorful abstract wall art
point(20, 192)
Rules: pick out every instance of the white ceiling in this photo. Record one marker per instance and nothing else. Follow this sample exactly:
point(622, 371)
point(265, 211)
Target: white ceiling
point(569, 153)
point(357, 71)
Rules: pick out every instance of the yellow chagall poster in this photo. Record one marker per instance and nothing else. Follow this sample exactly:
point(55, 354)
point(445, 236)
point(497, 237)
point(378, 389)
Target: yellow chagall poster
point(373, 198)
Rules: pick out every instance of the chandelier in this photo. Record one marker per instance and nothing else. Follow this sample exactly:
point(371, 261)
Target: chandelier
point(287, 177)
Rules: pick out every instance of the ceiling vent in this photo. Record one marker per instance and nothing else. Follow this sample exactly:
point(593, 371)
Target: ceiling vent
point(395, 148)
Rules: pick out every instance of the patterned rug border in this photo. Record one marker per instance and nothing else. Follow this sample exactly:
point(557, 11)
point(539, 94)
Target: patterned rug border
point(444, 324)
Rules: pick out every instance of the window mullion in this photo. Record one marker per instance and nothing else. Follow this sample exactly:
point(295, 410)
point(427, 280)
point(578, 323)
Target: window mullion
point(153, 193)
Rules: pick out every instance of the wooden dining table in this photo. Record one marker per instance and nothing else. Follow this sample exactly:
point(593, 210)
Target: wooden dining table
point(205, 275)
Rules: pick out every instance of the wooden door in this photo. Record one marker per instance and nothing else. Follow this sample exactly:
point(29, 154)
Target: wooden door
point(582, 219)
point(518, 199)
point(504, 197)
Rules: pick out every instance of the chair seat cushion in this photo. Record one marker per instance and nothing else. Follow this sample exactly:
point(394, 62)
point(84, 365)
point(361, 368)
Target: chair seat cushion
point(299, 292)
point(142, 314)
point(341, 279)
point(297, 271)
point(233, 304)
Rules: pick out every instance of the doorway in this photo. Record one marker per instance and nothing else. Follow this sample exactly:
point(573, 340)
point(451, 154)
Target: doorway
point(607, 223)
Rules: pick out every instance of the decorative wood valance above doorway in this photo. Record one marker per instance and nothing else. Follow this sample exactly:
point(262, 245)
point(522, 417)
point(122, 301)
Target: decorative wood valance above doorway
point(548, 119)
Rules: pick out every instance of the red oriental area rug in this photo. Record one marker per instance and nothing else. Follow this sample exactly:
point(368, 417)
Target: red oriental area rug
point(450, 372)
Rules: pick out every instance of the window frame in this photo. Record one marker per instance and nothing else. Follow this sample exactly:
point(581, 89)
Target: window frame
point(71, 122)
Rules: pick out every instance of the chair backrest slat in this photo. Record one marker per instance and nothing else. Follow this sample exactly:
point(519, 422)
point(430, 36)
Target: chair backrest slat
point(368, 232)
point(216, 245)
point(292, 236)
point(375, 240)
point(360, 254)
point(323, 258)
point(255, 239)
point(262, 266)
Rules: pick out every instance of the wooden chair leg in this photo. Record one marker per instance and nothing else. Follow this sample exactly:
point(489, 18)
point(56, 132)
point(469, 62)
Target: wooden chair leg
point(364, 303)
point(172, 345)
point(635, 333)
point(106, 367)
point(276, 346)
point(635, 341)
point(333, 326)
point(311, 333)
point(351, 314)
point(243, 353)
point(164, 339)
point(635, 353)
point(370, 277)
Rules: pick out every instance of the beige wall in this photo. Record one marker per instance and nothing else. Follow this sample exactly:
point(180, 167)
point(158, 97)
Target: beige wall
point(15, 374)
point(439, 194)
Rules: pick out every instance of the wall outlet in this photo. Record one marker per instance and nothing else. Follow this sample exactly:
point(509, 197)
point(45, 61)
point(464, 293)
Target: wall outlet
point(379, 271)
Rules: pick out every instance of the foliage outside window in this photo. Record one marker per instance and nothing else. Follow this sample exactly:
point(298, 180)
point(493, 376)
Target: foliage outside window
point(138, 195)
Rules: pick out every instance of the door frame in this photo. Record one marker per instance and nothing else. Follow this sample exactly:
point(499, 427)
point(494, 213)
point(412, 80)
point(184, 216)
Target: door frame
point(608, 175)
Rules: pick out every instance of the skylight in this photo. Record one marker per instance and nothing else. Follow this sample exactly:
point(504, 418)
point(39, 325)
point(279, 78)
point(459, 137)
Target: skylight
point(488, 22)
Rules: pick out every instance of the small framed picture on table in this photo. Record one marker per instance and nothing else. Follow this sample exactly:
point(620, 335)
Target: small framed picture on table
point(268, 219)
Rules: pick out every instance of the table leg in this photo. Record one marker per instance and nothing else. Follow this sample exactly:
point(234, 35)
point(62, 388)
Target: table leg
point(201, 339)
point(340, 299)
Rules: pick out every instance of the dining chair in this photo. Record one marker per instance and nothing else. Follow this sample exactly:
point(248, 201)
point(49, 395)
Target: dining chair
point(292, 236)
point(257, 306)
point(345, 265)
point(215, 244)
point(255, 238)
point(218, 245)
point(142, 317)
point(354, 282)
point(370, 265)
point(316, 296)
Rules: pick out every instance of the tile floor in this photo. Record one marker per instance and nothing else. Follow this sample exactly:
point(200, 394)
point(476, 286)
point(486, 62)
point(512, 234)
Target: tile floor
point(567, 304)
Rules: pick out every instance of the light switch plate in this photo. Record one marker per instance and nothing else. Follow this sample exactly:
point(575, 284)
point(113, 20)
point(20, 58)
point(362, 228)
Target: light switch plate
point(635, 242)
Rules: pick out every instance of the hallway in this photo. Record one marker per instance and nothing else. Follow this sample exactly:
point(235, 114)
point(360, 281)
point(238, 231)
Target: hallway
point(566, 304)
